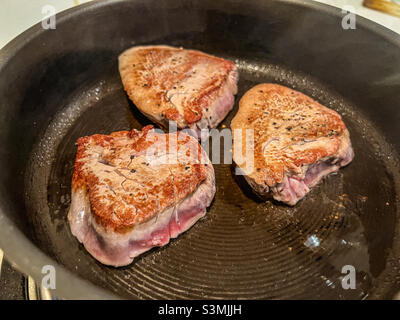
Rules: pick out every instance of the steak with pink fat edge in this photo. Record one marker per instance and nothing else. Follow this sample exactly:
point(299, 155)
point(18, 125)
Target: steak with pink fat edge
point(135, 190)
point(189, 87)
point(297, 142)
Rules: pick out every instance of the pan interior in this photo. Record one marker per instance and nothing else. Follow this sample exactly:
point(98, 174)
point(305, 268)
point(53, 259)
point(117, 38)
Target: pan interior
point(244, 247)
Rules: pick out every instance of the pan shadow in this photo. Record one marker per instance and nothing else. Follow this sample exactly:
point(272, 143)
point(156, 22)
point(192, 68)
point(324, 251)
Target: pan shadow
point(249, 192)
point(138, 116)
point(244, 186)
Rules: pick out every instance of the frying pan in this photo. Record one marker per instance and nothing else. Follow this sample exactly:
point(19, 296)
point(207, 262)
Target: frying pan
point(58, 85)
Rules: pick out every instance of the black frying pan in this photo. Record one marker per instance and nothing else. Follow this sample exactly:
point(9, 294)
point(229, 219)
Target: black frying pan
point(58, 85)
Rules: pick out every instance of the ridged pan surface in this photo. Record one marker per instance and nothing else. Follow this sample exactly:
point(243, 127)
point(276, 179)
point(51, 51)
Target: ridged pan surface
point(244, 247)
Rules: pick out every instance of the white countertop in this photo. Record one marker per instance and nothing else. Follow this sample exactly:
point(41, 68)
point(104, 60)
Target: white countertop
point(18, 15)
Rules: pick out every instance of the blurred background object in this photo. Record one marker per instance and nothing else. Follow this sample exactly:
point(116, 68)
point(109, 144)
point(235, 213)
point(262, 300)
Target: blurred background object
point(389, 21)
point(387, 6)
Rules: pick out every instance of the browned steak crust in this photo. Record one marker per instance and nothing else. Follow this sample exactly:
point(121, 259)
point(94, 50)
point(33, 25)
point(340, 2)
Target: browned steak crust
point(292, 132)
point(124, 188)
point(189, 87)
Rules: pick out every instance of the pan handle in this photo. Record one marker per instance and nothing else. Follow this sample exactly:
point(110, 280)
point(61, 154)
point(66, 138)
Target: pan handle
point(1, 260)
point(32, 290)
point(35, 292)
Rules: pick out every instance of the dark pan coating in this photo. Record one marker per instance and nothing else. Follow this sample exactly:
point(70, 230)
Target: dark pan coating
point(273, 250)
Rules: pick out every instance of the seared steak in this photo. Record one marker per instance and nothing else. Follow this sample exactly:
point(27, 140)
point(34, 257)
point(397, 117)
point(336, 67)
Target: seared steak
point(194, 89)
point(297, 141)
point(134, 190)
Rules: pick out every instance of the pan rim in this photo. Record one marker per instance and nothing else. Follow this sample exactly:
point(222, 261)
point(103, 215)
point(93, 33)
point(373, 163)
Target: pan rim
point(13, 241)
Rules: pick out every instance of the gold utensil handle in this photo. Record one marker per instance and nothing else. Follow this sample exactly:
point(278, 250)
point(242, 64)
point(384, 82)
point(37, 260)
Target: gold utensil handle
point(1, 260)
point(386, 6)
